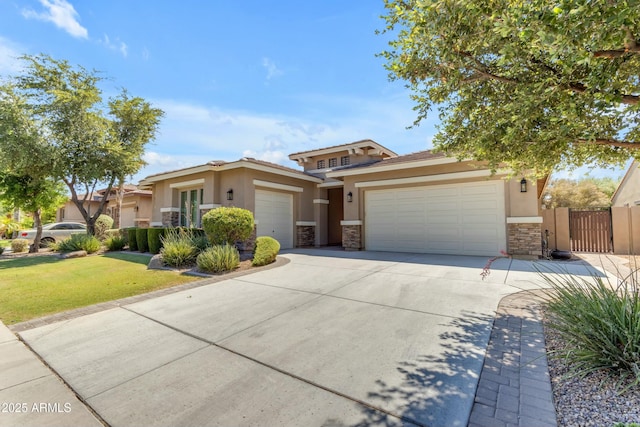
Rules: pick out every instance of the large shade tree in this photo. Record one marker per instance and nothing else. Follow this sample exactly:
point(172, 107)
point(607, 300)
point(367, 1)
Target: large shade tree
point(528, 83)
point(25, 159)
point(93, 142)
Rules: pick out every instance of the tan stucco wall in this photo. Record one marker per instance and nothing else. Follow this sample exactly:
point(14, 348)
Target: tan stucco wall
point(354, 159)
point(522, 204)
point(241, 181)
point(557, 222)
point(628, 194)
point(517, 204)
point(626, 229)
point(71, 212)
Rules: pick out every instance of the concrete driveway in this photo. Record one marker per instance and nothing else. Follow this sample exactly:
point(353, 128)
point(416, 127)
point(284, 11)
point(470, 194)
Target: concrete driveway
point(329, 339)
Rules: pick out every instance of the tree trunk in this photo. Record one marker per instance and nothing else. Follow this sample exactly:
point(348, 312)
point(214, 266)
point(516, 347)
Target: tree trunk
point(35, 248)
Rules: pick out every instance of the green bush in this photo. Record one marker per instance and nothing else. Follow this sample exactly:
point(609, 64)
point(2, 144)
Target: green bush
point(153, 238)
point(80, 242)
point(1, 250)
point(600, 321)
point(103, 223)
point(142, 239)
point(265, 250)
point(115, 243)
point(177, 248)
point(19, 245)
point(131, 237)
point(201, 242)
point(219, 258)
point(228, 225)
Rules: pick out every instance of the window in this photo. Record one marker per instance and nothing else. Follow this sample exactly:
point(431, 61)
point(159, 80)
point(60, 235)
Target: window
point(321, 164)
point(333, 162)
point(344, 161)
point(190, 208)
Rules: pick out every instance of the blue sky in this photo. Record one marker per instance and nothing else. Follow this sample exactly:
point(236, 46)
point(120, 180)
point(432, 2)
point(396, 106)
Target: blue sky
point(250, 78)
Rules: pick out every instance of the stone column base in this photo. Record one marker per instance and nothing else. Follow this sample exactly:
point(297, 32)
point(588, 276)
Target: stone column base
point(352, 237)
point(524, 239)
point(306, 235)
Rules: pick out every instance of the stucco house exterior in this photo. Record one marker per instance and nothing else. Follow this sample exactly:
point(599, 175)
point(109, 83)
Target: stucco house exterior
point(136, 207)
point(362, 195)
point(628, 191)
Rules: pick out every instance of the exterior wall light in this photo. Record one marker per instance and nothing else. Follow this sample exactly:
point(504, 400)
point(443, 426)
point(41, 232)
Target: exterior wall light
point(349, 197)
point(523, 185)
point(230, 194)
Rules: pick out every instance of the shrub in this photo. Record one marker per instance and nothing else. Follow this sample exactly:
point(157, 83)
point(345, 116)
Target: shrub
point(219, 258)
point(103, 223)
point(153, 238)
point(600, 322)
point(201, 242)
point(228, 225)
point(265, 251)
point(19, 245)
point(1, 250)
point(131, 237)
point(142, 239)
point(115, 243)
point(79, 242)
point(177, 248)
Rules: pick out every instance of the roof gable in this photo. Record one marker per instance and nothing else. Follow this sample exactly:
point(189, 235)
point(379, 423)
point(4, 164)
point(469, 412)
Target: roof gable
point(357, 147)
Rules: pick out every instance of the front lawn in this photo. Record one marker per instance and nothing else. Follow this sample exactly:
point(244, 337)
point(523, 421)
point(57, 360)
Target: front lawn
point(32, 287)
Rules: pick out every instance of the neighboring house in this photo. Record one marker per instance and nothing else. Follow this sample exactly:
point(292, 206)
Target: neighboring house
point(136, 207)
point(362, 196)
point(628, 191)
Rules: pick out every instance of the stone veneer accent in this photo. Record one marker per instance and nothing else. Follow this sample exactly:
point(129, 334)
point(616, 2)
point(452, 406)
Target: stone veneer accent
point(525, 239)
point(143, 224)
point(306, 235)
point(170, 219)
point(249, 244)
point(352, 237)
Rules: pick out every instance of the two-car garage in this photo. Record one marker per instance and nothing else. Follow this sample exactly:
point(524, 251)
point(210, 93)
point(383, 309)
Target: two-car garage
point(463, 218)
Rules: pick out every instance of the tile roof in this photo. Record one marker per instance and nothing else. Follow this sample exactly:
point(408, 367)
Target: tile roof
point(334, 147)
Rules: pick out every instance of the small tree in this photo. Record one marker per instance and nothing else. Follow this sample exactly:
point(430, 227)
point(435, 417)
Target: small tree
point(584, 193)
point(25, 161)
point(103, 223)
point(90, 143)
point(228, 225)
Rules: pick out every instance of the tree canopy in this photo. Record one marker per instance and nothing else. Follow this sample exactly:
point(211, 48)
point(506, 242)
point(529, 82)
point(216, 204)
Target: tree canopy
point(579, 194)
point(531, 84)
point(90, 142)
point(25, 161)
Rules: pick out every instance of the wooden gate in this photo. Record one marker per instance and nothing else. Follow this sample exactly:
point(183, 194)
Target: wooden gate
point(590, 231)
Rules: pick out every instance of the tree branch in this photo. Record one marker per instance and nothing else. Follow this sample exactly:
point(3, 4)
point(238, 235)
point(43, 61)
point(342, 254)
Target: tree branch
point(611, 142)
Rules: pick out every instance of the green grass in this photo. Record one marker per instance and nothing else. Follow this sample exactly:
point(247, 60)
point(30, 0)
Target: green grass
point(32, 287)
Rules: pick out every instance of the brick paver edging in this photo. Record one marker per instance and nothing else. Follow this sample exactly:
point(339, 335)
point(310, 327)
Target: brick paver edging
point(514, 387)
point(82, 311)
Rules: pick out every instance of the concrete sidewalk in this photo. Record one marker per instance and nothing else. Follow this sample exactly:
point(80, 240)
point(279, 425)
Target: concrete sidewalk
point(331, 339)
point(32, 395)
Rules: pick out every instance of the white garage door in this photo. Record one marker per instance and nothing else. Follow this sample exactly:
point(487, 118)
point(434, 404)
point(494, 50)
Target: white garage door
point(466, 219)
point(274, 215)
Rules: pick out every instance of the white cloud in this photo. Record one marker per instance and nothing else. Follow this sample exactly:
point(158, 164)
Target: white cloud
point(192, 134)
point(272, 68)
point(62, 14)
point(116, 45)
point(9, 54)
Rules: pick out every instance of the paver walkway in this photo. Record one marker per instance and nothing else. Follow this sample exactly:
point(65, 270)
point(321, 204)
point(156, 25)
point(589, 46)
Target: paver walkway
point(514, 387)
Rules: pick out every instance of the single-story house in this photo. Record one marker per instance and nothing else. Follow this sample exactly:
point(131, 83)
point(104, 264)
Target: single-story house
point(136, 207)
point(628, 191)
point(362, 195)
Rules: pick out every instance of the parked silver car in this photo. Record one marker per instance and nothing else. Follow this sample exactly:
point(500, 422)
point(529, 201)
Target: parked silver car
point(54, 232)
